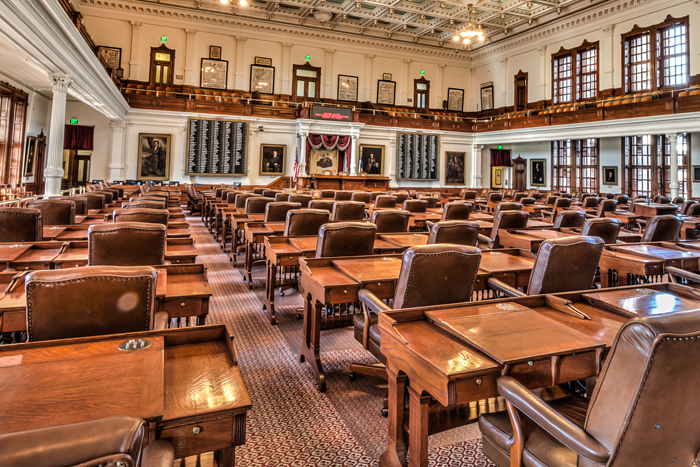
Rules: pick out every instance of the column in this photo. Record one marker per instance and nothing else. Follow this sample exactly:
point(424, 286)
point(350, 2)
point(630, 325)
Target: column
point(368, 76)
point(116, 164)
point(476, 166)
point(240, 56)
point(504, 83)
point(135, 50)
point(406, 85)
point(392, 161)
point(54, 160)
point(191, 75)
point(439, 85)
point(328, 80)
point(673, 140)
point(608, 80)
point(302, 154)
point(474, 94)
point(286, 68)
point(353, 154)
point(543, 73)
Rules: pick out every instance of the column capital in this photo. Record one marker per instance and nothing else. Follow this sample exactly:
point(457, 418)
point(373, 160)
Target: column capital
point(369, 57)
point(329, 52)
point(191, 32)
point(406, 61)
point(136, 25)
point(241, 39)
point(542, 50)
point(61, 82)
point(608, 30)
point(118, 126)
point(441, 66)
point(287, 46)
point(504, 62)
point(672, 137)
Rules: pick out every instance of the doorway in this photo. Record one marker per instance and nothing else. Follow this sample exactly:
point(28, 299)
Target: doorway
point(421, 94)
point(307, 82)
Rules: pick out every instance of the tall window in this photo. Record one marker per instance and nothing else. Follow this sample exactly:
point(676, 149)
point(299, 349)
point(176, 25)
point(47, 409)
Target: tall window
point(562, 159)
point(647, 162)
point(575, 165)
point(587, 163)
point(656, 57)
point(664, 158)
point(575, 74)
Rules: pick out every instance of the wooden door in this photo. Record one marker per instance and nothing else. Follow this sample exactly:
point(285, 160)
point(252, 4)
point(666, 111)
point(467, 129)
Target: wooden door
point(81, 170)
point(520, 174)
point(421, 95)
point(520, 102)
point(306, 81)
point(162, 63)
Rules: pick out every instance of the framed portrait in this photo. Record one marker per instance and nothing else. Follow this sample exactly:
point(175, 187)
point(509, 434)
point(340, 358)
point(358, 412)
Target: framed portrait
point(386, 76)
point(214, 74)
point(323, 160)
point(111, 55)
point(30, 157)
point(263, 61)
point(455, 99)
point(696, 173)
point(347, 88)
point(487, 96)
point(215, 52)
point(610, 175)
point(455, 163)
point(371, 160)
point(538, 172)
point(272, 158)
point(153, 157)
point(386, 92)
point(262, 79)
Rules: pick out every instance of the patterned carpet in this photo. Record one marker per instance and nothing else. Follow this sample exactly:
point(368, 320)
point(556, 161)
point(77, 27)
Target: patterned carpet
point(291, 423)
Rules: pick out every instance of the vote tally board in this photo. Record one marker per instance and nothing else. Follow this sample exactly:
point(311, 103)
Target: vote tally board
point(417, 156)
point(216, 147)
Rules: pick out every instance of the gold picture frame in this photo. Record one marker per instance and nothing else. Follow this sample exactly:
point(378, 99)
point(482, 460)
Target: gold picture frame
point(153, 157)
point(272, 156)
point(538, 172)
point(323, 160)
point(373, 167)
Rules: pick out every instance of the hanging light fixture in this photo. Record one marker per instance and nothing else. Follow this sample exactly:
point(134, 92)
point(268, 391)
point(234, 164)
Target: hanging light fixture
point(470, 31)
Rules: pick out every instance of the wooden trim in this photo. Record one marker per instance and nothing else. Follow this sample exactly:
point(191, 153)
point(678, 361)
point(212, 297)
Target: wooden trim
point(306, 66)
point(421, 80)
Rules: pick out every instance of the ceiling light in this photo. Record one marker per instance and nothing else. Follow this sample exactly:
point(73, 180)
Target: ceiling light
point(243, 2)
point(224, 2)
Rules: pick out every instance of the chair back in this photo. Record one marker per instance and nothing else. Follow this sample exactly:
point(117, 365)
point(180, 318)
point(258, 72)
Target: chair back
point(561, 203)
point(662, 199)
point(109, 196)
point(345, 239)
point(458, 211)
point(54, 211)
point(526, 201)
point(400, 197)
point(469, 195)
point(508, 206)
point(415, 205)
point(327, 194)
point(570, 219)
point(385, 201)
point(81, 204)
point(565, 264)
point(662, 229)
point(147, 216)
point(437, 275)
point(693, 210)
point(551, 200)
point(341, 195)
point(678, 200)
point(454, 232)
point(126, 244)
point(432, 201)
point(362, 197)
point(324, 204)
point(143, 204)
point(606, 205)
point(270, 193)
point(282, 197)
point(21, 225)
point(686, 205)
point(89, 301)
point(257, 204)
point(240, 199)
point(590, 202)
point(604, 228)
point(305, 221)
point(276, 211)
point(507, 220)
point(348, 211)
point(304, 200)
point(374, 194)
point(258, 191)
point(622, 199)
point(391, 221)
point(94, 200)
point(518, 196)
point(494, 197)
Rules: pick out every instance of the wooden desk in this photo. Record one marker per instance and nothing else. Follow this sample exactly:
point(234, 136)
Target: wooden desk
point(187, 378)
point(254, 235)
point(344, 182)
point(651, 210)
point(187, 292)
point(30, 256)
point(75, 253)
point(691, 224)
point(235, 225)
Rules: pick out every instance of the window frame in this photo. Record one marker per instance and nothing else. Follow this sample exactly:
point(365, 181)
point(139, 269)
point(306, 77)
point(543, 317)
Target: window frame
point(575, 166)
point(658, 167)
point(576, 74)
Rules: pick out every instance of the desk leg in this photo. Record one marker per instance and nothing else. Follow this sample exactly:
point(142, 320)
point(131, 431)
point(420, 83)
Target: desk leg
point(270, 291)
point(224, 233)
point(418, 427)
point(226, 457)
point(310, 343)
point(248, 266)
point(395, 454)
point(604, 279)
point(234, 246)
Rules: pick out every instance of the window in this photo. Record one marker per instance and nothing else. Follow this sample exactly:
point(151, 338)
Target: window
point(647, 163)
point(587, 163)
point(13, 106)
point(575, 74)
point(561, 165)
point(664, 151)
point(656, 57)
point(575, 165)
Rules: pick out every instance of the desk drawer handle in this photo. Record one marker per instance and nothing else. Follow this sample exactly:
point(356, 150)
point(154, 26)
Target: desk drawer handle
point(478, 382)
point(530, 363)
point(345, 291)
point(182, 304)
point(196, 430)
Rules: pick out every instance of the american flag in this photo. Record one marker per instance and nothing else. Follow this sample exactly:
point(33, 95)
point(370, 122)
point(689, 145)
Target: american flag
point(296, 166)
point(360, 164)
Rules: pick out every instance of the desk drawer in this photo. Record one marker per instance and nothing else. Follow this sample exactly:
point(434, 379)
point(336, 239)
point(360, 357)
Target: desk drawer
point(213, 435)
point(182, 308)
point(31, 267)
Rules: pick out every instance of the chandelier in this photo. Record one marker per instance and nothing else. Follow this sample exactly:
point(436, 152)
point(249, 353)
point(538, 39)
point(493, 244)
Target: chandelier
point(470, 31)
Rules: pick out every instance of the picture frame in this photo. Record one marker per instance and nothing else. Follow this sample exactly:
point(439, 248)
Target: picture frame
point(323, 160)
point(263, 61)
point(538, 172)
point(371, 159)
point(610, 175)
point(153, 155)
point(272, 159)
point(262, 79)
point(455, 168)
point(386, 76)
point(112, 55)
point(386, 92)
point(30, 157)
point(455, 99)
point(215, 52)
point(347, 88)
point(487, 96)
point(213, 74)
point(696, 173)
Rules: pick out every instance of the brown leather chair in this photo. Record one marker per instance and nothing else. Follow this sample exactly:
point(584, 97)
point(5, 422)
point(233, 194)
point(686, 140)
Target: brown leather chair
point(569, 219)
point(348, 211)
point(662, 229)
point(456, 211)
point(94, 200)
point(305, 222)
point(678, 200)
point(109, 196)
point(284, 197)
point(550, 200)
point(374, 194)
point(390, 221)
point(432, 201)
point(322, 204)
point(194, 202)
point(693, 210)
point(21, 225)
point(562, 265)
point(342, 195)
point(81, 204)
point(400, 197)
point(558, 206)
point(143, 204)
point(518, 196)
point(276, 211)
point(415, 205)
point(385, 202)
point(345, 239)
point(240, 199)
point(662, 199)
point(686, 206)
point(494, 197)
point(525, 201)
point(54, 211)
point(362, 197)
point(606, 205)
point(259, 191)
point(91, 301)
point(604, 228)
point(327, 194)
point(126, 244)
point(91, 443)
point(505, 220)
point(453, 232)
point(507, 207)
point(270, 193)
point(622, 199)
point(467, 195)
point(257, 205)
point(590, 202)
point(631, 417)
point(304, 200)
point(148, 216)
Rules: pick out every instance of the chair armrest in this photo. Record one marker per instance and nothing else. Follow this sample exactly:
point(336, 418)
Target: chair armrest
point(158, 454)
point(499, 286)
point(551, 421)
point(673, 272)
point(160, 320)
point(371, 301)
point(484, 239)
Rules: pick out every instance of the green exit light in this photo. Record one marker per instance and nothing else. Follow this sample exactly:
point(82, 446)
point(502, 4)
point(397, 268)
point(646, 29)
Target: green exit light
point(422, 72)
point(163, 39)
point(73, 121)
point(308, 57)
point(500, 146)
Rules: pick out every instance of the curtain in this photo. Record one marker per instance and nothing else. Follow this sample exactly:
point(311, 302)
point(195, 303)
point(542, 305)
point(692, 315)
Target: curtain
point(79, 138)
point(501, 158)
point(330, 142)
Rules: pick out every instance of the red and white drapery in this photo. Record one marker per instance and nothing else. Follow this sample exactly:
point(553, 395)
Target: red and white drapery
point(330, 142)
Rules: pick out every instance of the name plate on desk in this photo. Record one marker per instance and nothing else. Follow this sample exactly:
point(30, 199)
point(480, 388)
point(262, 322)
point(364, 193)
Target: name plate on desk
point(338, 114)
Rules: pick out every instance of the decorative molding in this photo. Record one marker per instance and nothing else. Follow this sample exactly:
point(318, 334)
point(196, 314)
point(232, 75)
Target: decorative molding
point(609, 29)
point(136, 25)
point(61, 82)
point(191, 32)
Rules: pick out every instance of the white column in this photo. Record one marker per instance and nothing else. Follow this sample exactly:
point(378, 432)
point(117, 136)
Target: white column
point(54, 160)
point(608, 80)
point(116, 164)
point(240, 56)
point(504, 82)
point(135, 50)
point(673, 140)
point(302, 154)
point(543, 73)
point(406, 85)
point(328, 78)
point(368, 76)
point(392, 162)
point(287, 69)
point(476, 166)
point(191, 66)
point(439, 94)
point(353, 155)
point(474, 94)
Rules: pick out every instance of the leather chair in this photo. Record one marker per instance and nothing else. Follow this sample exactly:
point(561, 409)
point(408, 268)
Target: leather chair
point(467, 195)
point(566, 195)
point(662, 199)
point(21, 225)
point(54, 211)
point(432, 201)
point(321, 204)
point(453, 232)
point(345, 239)
point(583, 195)
point(259, 191)
point(606, 205)
point(391, 221)
point(401, 197)
point(143, 204)
point(562, 265)
point(569, 219)
point(126, 244)
point(415, 205)
point(385, 201)
point(304, 200)
point(257, 205)
point(604, 228)
point(622, 199)
point(362, 197)
point(81, 204)
point(374, 194)
point(686, 206)
point(662, 229)
point(505, 220)
point(283, 197)
point(94, 200)
point(590, 202)
point(458, 211)
point(678, 200)
point(240, 199)
point(631, 417)
point(276, 211)
point(526, 201)
point(341, 195)
point(558, 206)
point(91, 301)
point(494, 197)
point(305, 222)
point(348, 211)
point(693, 210)
point(109, 196)
point(507, 207)
point(327, 194)
point(550, 200)
point(270, 193)
point(536, 195)
point(147, 216)
point(518, 196)
point(107, 441)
